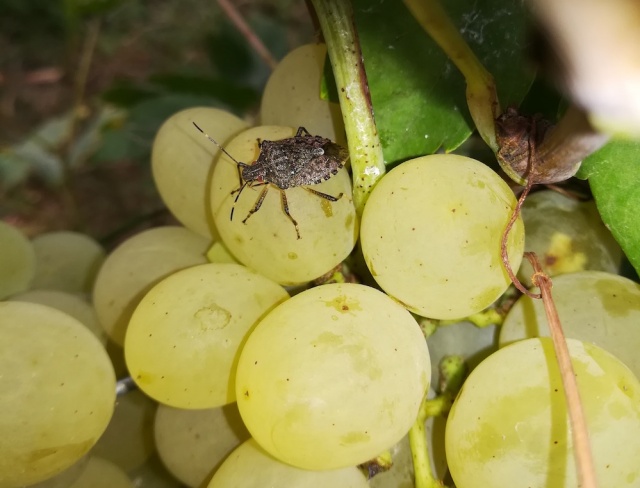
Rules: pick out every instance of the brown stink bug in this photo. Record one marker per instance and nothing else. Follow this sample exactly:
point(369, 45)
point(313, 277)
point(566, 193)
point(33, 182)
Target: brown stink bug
point(297, 161)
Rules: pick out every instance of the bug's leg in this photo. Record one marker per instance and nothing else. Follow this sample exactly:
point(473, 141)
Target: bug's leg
point(285, 207)
point(258, 204)
point(237, 190)
point(301, 131)
point(239, 166)
point(323, 195)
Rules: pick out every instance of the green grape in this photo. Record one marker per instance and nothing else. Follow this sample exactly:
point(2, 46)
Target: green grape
point(17, 261)
point(153, 474)
point(567, 236)
point(267, 242)
point(401, 474)
point(218, 253)
point(249, 466)
point(193, 443)
point(66, 261)
point(128, 440)
point(58, 391)
point(593, 306)
point(332, 377)
point(509, 426)
point(102, 473)
point(74, 305)
point(182, 160)
point(292, 95)
point(431, 233)
point(462, 339)
point(135, 266)
point(184, 337)
point(66, 477)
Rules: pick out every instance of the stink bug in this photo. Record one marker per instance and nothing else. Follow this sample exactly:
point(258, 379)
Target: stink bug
point(300, 160)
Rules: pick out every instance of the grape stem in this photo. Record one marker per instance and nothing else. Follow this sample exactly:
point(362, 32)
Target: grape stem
point(482, 98)
point(579, 432)
point(418, 442)
point(367, 161)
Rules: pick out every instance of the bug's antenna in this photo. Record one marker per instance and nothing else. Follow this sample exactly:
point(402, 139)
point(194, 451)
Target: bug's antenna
point(216, 143)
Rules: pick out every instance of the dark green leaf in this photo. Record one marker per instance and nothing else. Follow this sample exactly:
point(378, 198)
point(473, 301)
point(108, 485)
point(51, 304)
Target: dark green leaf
point(126, 95)
point(235, 60)
point(418, 95)
point(229, 53)
point(133, 140)
point(615, 181)
point(231, 94)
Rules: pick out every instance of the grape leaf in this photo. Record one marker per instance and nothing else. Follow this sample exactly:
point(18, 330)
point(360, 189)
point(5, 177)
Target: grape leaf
point(615, 182)
point(418, 95)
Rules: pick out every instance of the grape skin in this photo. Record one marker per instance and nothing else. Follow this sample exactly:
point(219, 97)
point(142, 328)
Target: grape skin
point(60, 392)
point(508, 428)
point(66, 261)
point(332, 377)
point(250, 466)
point(128, 440)
point(431, 233)
point(567, 236)
point(593, 306)
point(184, 336)
point(135, 265)
point(182, 161)
point(193, 443)
point(17, 261)
point(292, 95)
point(74, 305)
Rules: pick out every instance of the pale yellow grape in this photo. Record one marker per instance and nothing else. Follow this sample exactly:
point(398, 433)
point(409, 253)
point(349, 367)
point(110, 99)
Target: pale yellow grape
point(249, 466)
point(268, 242)
point(431, 233)
point(218, 253)
point(593, 306)
point(66, 261)
point(58, 392)
point(17, 261)
point(292, 95)
point(182, 160)
point(462, 339)
point(66, 477)
point(193, 443)
point(153, 474)
point(185, 336)
point(128, 440)
point(71, 304)
point(332, 377)
point(102, 473)
point(509, 426)
point(401, 474)
point(567, 236)
point(135, 266)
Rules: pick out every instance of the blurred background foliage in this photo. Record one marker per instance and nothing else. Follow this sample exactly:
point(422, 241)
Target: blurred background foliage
point(85, 84)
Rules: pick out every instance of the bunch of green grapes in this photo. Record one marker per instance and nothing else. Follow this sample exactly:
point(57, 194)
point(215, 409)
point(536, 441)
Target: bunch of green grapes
point(243, 382)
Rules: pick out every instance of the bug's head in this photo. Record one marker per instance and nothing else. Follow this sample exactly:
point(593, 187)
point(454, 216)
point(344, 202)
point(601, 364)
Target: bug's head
point(252, 172)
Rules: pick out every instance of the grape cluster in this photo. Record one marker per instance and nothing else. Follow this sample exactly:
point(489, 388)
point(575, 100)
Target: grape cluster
point(252, 370)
